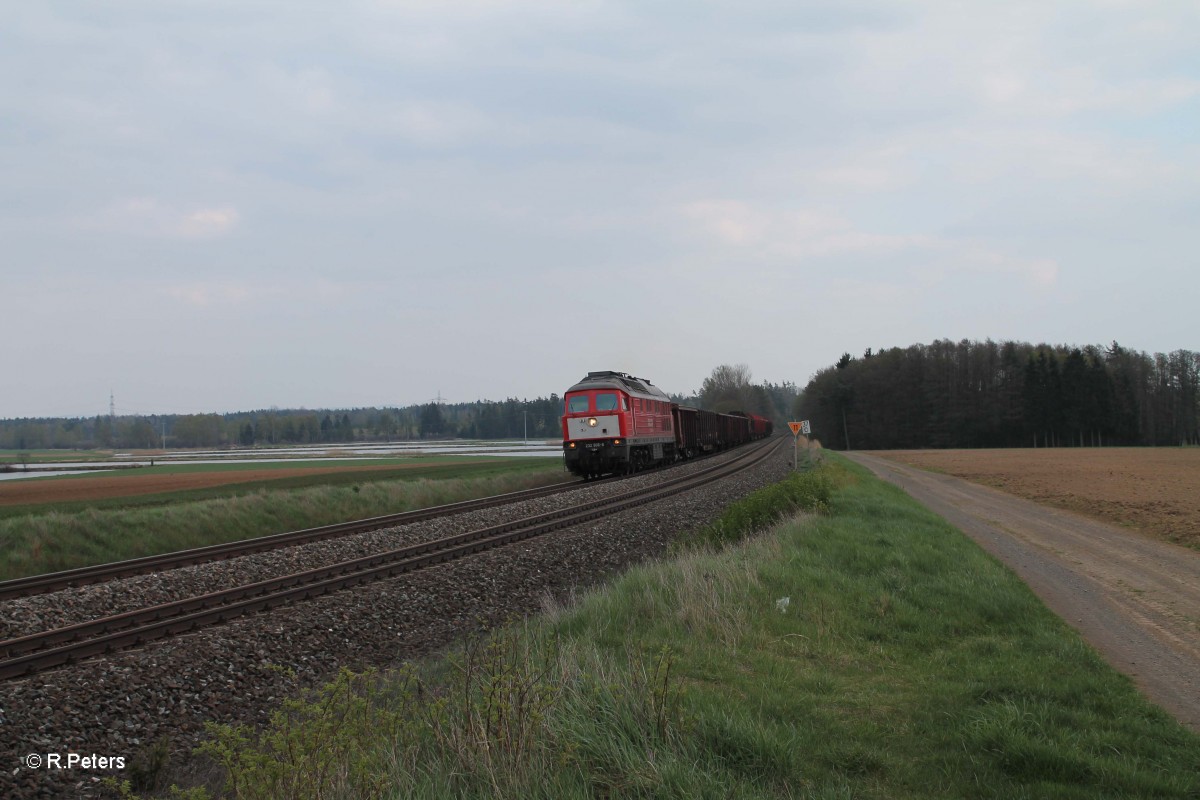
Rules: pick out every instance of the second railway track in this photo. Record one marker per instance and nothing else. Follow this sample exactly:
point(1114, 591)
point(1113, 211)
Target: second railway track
point(99, 573)
point(38, 652)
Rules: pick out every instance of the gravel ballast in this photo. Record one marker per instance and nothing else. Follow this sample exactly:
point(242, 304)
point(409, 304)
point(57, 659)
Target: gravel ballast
point(120, 705)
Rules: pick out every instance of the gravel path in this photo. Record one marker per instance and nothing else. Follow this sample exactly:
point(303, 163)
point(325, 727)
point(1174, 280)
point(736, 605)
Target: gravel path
point(120, 705)
point(1135, 599)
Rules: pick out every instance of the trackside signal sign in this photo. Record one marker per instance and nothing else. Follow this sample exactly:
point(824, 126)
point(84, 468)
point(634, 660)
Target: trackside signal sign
point(800, 427)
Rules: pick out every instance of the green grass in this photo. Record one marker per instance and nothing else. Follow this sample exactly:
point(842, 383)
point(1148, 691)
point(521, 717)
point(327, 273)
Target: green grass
point(80, 534)
point(872, 652)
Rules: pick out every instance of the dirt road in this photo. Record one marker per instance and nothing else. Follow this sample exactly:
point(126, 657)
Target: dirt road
point(1135, 599)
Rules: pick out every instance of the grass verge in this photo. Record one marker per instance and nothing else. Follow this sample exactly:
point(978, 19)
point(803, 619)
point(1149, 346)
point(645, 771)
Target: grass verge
point(36, 543)
point(871, 652)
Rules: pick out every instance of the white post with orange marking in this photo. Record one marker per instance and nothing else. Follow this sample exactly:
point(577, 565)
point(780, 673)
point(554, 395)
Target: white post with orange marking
point(796, 428)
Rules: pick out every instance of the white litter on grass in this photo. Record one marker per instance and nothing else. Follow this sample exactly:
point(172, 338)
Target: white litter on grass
point(782, 604)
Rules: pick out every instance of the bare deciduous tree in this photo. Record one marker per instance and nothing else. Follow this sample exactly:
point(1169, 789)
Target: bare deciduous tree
point(728, 389)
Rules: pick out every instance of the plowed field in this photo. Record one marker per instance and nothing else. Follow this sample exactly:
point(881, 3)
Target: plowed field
point(99, 487)
point(1152, 490)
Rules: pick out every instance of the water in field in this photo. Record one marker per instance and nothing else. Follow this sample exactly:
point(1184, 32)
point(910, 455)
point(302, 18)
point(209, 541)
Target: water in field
point(371, 450)
point(345, 452)
point(12, 476)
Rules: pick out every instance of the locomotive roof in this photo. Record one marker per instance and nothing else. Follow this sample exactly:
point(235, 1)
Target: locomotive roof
point(608, 380)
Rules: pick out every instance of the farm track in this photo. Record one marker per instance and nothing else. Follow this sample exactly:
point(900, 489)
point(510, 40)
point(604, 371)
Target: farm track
point(1133, 598)
point(48, 649)
point(130, 703)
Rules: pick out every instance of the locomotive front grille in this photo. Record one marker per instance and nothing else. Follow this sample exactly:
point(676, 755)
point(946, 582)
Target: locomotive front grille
point(596, 426)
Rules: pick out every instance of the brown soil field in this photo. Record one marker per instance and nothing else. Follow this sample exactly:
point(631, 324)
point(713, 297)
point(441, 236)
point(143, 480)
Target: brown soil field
point(99, 487)
point(1153, 490)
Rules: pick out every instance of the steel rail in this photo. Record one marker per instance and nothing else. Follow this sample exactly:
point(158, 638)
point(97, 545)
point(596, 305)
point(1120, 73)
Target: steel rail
point(35, 653)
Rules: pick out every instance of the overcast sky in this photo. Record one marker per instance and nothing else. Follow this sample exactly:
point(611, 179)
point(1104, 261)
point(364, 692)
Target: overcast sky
point(219, 206)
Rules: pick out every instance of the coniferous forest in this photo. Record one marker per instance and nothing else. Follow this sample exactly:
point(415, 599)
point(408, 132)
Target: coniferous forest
point(1009, 394)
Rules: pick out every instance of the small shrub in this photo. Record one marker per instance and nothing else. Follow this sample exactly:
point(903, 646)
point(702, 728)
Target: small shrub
point(509, 713)
point(809, 491)
point(148, 766)
point(491, 718)
point(322, 745)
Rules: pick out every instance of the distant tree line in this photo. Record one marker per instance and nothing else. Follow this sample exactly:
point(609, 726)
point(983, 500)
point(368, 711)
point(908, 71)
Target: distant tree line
point(483, 419)
point(1011, 394)
point(729, 388)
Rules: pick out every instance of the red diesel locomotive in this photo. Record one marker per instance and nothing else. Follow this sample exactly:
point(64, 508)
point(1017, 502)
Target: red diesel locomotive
point(616, 423)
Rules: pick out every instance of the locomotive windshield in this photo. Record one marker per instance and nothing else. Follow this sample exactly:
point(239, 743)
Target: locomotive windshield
point(577, 404)
point(606, 401)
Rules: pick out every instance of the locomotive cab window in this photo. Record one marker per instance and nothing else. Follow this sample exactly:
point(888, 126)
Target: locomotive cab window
point(606, 401)
point(577, 404)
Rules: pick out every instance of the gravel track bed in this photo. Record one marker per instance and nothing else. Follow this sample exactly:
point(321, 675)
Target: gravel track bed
point(24, 616)
point(120, 705)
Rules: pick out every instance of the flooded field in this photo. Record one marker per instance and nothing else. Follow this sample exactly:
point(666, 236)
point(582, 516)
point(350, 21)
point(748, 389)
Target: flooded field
point(333, 454)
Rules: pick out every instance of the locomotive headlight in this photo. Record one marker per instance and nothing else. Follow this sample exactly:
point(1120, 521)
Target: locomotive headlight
point(591, 422)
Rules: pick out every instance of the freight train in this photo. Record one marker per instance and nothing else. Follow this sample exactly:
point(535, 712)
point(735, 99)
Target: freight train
point(615, 423)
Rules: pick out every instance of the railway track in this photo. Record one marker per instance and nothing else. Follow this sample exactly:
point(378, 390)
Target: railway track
point(38, 652)
point(83, 576)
